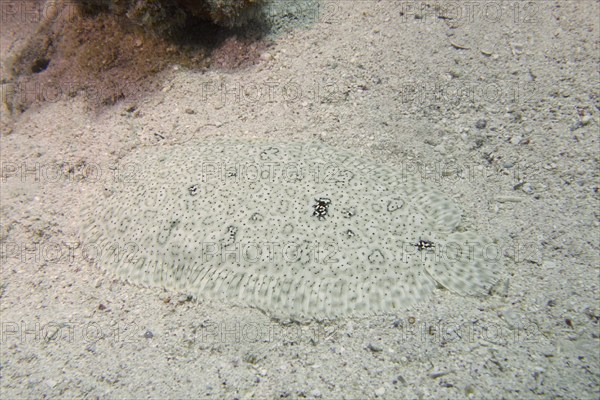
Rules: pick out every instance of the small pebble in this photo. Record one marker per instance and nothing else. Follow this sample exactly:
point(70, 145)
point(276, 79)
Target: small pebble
point(569, 322)
point(516, 139)
point(380, 392)
point(527, 188)
point(374, 348)
point(148, 335)
point(189, 111)
point(481, 124)
point(266, 57)
point(315, 393)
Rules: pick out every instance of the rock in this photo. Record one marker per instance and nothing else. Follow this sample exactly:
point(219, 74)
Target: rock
point(266, 57)
point(527, 188)
point(481, 124)
point(380, 392)
point(374, 348)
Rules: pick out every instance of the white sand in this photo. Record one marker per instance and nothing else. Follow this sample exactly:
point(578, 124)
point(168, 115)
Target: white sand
point(68, 330)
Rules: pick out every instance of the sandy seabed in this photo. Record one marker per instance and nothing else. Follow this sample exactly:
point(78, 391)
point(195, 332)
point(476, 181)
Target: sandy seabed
point(495, 103)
